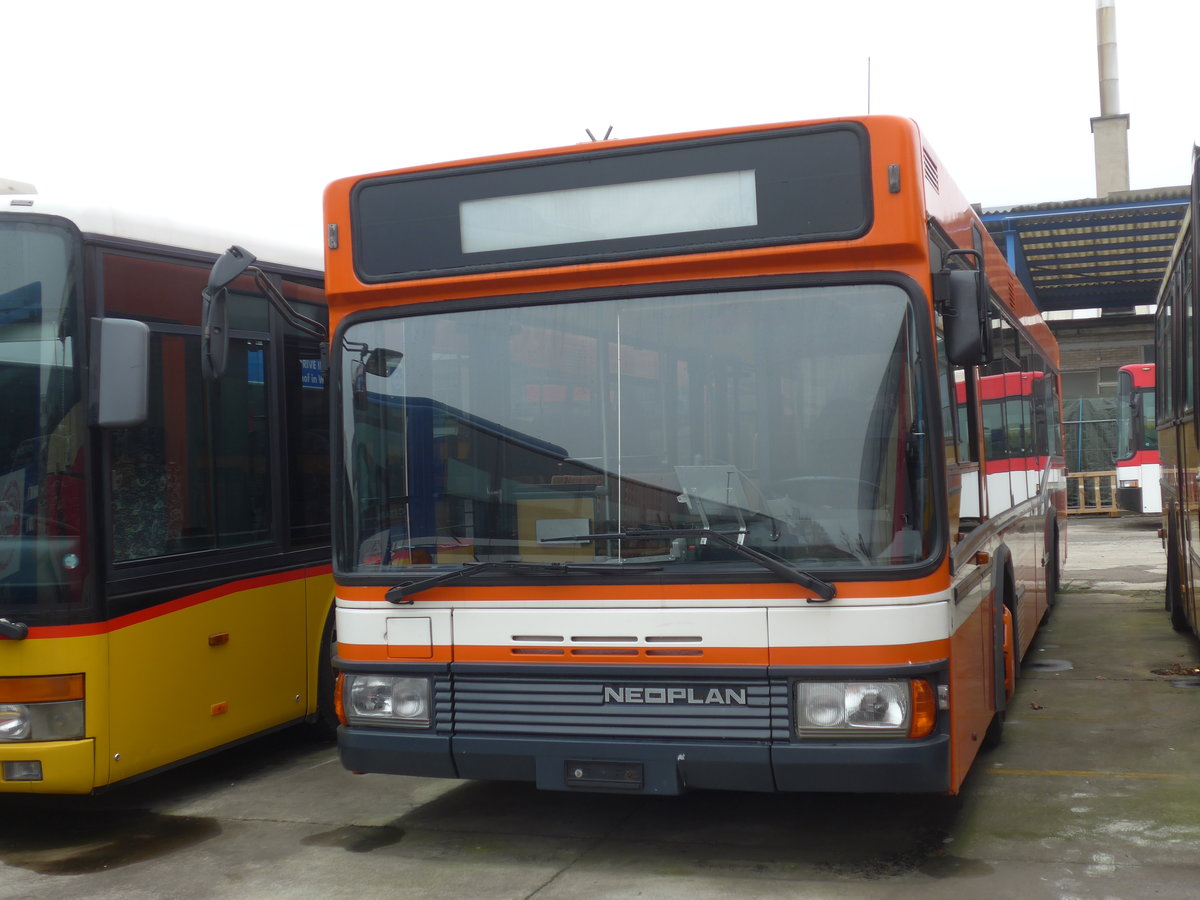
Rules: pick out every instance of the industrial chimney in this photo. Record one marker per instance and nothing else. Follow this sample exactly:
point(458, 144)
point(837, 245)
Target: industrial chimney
point(1110, 129)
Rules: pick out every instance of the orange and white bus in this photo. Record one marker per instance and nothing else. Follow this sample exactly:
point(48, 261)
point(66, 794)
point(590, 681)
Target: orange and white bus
point(648, 470)
point(1176, 389)
point(165, 586)
point(1139, 467)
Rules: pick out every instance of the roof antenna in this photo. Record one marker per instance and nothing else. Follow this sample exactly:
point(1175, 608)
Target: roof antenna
point(868, 85)
point(593, 137)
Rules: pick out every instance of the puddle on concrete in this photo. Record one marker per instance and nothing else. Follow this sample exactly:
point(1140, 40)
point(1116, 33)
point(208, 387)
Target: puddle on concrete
point(1049, 665)
point(1186, 683)
point(75, 843)
point(357, 838)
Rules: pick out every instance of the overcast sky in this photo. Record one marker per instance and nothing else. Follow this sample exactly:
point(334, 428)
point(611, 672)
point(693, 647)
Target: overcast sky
point(241, 111)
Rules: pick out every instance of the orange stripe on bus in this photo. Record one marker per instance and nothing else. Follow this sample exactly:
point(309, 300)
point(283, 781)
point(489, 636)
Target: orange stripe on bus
point(384, 653)
point(92, 629)
point(538, 594)
point(900, 654)
point(890, 655)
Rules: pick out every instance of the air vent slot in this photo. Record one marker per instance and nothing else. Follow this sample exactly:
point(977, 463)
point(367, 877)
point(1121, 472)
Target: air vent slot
point(931, 169)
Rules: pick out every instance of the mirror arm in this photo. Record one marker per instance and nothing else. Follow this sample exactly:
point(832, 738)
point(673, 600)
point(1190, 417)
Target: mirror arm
point(281, 305)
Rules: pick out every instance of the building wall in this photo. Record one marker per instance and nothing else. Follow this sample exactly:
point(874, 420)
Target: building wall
point(1091, 351)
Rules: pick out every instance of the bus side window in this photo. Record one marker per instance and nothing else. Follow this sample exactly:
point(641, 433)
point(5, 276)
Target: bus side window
point(950, 407)
point(196, 475)
point(1183, 281)
point(307, 411)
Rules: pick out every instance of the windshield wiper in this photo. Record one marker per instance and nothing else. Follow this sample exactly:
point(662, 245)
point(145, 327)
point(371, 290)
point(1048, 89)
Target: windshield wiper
point(399, 592)
point(16, 631)
point(769, 561)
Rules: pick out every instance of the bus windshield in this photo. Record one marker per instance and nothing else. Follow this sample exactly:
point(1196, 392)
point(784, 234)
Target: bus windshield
point(1136, 425)
point(42, 559)
point(788, 419)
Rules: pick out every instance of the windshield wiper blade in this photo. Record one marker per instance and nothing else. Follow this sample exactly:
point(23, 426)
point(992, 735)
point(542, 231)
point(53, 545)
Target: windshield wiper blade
point(769, 561)
point(404, 589)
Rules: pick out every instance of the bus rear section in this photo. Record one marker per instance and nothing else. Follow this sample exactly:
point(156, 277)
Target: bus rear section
point(646, 482)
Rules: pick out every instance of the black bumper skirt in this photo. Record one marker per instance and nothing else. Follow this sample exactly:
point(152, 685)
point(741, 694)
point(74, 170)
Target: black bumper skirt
point(921, 766)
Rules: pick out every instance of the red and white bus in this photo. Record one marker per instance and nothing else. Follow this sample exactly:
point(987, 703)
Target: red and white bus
point(1139, 467)
point(649, 472)
point(1014, 406)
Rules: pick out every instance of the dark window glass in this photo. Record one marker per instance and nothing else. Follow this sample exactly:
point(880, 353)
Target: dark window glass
point(757, 413)
point(803, 185)
point(43, 509)
point(168, 292)
point(196, 475)
point(1166, 343)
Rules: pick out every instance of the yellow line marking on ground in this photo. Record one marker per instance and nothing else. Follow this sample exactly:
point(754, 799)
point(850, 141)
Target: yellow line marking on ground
point(1068, 773)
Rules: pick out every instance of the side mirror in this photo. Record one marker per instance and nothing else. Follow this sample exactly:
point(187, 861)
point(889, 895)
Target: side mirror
point(214, 315)
point(962, 295)
point(233, 262)
point(1135, 404)
point(214, 333)
point(382, 362)
point(122, 389)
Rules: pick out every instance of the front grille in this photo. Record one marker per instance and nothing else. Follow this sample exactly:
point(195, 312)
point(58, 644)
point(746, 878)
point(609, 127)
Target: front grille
point(663, 708)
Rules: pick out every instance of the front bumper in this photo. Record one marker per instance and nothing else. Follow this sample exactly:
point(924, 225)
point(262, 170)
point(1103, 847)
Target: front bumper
point(68, 767)
point(666, 768)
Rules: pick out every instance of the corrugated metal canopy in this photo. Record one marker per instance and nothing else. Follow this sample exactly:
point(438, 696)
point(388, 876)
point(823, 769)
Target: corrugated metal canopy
point(1079, 254)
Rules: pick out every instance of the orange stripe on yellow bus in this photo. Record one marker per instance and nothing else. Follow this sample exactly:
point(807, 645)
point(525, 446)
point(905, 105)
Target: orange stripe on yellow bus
point(91, 629)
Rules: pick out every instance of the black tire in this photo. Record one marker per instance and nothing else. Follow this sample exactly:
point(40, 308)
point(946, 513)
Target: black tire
point(1052, 573)
point(326, 722)
point(995, 730)
point(994, 736)
point(1174, 601)
point(1010, 603)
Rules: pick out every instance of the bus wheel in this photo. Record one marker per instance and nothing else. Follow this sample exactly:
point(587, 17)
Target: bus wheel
point(1002, 692)
point(326, 721)
point(1179, 619)
point(1052, 574)
point(994, 735)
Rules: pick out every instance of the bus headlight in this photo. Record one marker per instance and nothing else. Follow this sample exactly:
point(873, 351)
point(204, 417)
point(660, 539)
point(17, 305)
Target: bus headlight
point(864, 709)
point(61, 721)
point(386, 700)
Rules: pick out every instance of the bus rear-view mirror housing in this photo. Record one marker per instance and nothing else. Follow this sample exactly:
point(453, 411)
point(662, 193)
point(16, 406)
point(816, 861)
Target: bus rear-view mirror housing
point(962, 296)
point(121, 351)
point(214, 314)
point(382, 362)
